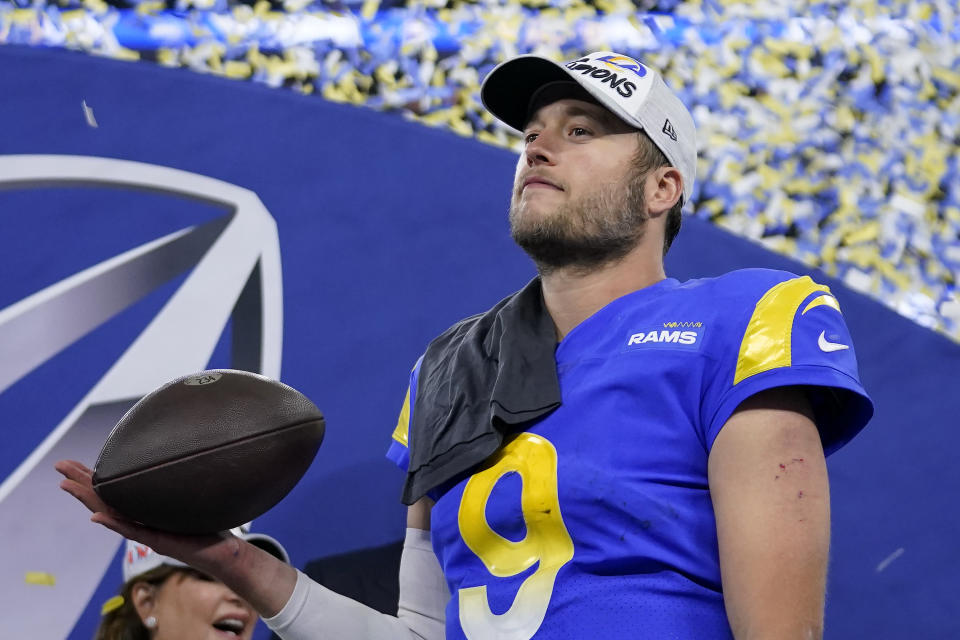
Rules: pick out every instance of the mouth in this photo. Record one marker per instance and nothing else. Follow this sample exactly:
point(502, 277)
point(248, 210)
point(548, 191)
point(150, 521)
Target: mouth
point(539, 182)
point(231, 627)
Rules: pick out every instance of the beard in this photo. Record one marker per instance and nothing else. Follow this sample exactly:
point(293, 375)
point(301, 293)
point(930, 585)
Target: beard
point(583, 234)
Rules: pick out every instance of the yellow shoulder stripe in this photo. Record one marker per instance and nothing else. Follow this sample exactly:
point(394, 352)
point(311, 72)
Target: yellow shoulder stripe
point(766, 342)
point(828, 300)
point(400, 434)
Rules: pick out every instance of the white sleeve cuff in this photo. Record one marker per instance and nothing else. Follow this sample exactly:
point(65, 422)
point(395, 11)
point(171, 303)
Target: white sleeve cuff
point(298, 599)
point(314, 612)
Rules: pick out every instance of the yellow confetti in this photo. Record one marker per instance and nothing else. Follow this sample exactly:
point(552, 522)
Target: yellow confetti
point(844, 118)
point(364, 82)
point(122, 53)
point(261, 8)
point(801, 186)
point(96, 6)
point(865, 233)
point(237, 69)
point(731, 93)
point(333, 94)
point(769, 177)
point(945, 75)
point(829, 255)
point(369, 9)
point(714, 206)
point(150, 7)
point(112, 604)
point(167, 57)
point(891, 273)
point(872, 160)
point(40, 578)
point(489, 138)
point(877, 70)
point(23, 16)
point(786, 47)
point(74, 14)
point(772, 65)
point(921, 12)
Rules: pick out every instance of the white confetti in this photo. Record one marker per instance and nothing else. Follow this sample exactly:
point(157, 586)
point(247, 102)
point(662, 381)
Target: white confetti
point(858, 280)
point(907, 205)
point(951, 309)
point(890, 558)
point(88, 114)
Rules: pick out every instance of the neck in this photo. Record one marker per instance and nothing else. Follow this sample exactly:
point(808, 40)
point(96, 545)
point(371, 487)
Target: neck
point(573, 295)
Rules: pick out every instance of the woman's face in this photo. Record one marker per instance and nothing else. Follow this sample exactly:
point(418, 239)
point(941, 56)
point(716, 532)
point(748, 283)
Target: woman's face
point(191, 606)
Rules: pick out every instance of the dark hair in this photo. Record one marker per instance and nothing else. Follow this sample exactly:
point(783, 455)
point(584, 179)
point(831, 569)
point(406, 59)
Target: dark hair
point(649, 158)
point(123, 623)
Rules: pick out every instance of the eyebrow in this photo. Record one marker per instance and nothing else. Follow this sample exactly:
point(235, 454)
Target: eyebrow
point(597, 113)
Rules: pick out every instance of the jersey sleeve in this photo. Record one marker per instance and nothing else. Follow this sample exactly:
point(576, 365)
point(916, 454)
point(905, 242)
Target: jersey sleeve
point(399, 451)
point(794, 335)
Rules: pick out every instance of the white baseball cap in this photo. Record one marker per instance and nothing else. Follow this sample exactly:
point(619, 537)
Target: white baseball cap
point(139, 558)
point(629, 89)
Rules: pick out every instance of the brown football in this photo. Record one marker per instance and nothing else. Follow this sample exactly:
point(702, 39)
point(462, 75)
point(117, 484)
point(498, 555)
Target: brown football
point(208, 452)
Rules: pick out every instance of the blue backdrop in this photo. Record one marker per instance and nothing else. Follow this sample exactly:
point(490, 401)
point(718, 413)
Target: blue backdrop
point(388, 232)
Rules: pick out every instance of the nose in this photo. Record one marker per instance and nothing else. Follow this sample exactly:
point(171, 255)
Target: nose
point(230, 596)
point(541, 150)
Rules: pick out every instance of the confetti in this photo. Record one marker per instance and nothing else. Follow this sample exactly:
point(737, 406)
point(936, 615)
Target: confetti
point(886, 561)
point(829, 132)
point(88, 115)
point(40, 578)
point(111, 604)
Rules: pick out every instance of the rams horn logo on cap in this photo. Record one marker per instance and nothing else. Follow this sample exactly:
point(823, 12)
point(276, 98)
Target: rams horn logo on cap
point(625, 63)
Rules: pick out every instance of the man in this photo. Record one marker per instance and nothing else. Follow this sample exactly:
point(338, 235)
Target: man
point(608, 452)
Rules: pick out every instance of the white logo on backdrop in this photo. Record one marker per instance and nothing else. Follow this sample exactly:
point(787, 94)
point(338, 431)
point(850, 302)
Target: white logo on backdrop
point(234, 272)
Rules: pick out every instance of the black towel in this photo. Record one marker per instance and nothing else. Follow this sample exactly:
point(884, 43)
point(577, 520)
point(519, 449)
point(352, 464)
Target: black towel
point(479, 381)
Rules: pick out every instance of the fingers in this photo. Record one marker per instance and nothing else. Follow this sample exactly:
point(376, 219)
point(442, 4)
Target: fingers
point(85, 494)
point(78, 482)
point(73, 469)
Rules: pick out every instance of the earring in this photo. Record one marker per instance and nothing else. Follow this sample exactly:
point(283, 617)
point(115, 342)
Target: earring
point(150, 622)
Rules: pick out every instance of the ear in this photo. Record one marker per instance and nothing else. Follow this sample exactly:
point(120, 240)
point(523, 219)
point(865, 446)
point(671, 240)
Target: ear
point(144, 598)
point(663, 189)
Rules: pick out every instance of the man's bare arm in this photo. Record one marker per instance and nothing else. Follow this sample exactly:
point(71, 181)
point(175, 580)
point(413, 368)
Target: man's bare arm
point(768, 482)
point(252, 573)
point(268, 583)
point(418, 515)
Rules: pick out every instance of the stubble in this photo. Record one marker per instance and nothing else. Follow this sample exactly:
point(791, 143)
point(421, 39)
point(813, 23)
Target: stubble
point(585, 233)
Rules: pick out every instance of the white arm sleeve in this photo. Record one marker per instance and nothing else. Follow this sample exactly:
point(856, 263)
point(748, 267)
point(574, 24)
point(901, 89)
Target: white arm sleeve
point(314, 612)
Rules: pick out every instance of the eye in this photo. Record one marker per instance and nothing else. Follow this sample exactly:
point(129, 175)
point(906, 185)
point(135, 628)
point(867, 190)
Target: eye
point(530, 137)
point(579, 131)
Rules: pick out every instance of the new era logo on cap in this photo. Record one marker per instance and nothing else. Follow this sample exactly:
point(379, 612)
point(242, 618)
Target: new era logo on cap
point(668, 129)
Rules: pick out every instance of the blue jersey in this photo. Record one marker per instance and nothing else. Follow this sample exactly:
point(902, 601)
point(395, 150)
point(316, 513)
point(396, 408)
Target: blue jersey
point(596, 520)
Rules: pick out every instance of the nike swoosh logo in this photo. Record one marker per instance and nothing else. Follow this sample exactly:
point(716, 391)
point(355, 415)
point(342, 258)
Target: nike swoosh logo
point(827, 346)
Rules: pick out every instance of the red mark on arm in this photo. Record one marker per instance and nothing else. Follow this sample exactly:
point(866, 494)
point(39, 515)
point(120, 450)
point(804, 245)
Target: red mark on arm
point(783, 467)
